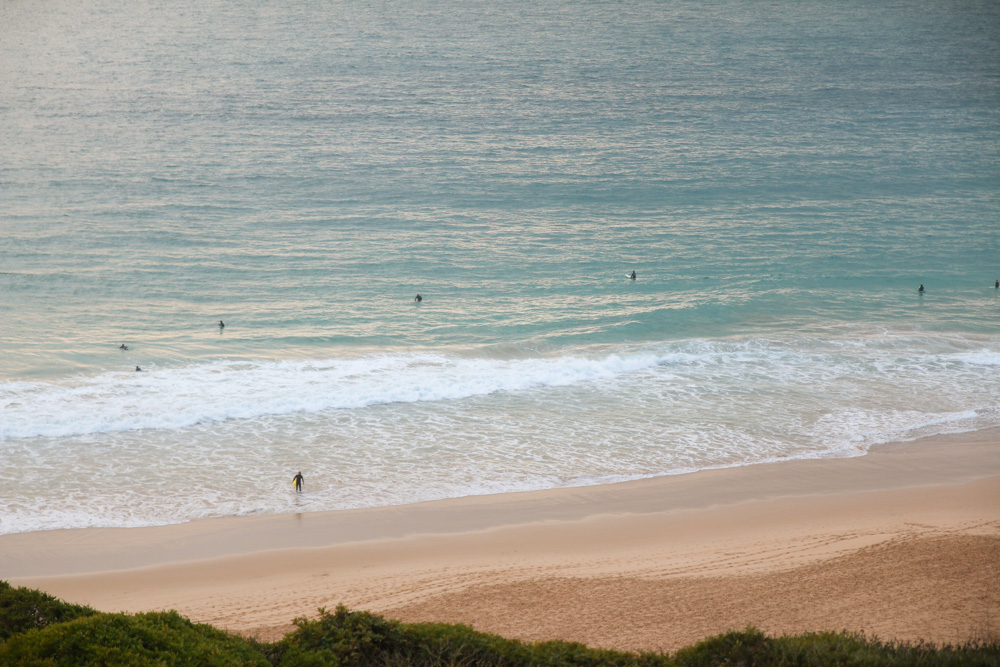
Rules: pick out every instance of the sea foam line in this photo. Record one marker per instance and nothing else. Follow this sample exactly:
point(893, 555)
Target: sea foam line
point(175, 398)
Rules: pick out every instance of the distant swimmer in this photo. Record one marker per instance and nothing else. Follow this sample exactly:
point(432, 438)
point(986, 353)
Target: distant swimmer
point(138, 370)
point(632, 277)
point(418, 298)
point(997, 284)
point(921, 288)
point(222, 325)
point(123, 347)
point(298, 479)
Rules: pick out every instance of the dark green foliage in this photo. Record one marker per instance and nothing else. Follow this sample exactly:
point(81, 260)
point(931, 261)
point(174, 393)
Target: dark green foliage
point(352, 639)
point(23, 609)
point(40, 630)
point(120, 639)
point(751, 647)
point(341, 638)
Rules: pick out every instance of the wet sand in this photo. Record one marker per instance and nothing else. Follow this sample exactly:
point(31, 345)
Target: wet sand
point(903, 543)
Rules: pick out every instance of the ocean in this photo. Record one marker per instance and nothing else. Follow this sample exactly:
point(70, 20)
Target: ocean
point(781, 176)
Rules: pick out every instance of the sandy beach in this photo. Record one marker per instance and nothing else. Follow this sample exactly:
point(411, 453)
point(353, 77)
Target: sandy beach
point(903, 543)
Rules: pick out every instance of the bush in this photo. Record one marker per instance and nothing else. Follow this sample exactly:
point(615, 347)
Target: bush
point(353, 639)
point(23, 609)
point(751, 647)
point(119, 639)
point(342, 638)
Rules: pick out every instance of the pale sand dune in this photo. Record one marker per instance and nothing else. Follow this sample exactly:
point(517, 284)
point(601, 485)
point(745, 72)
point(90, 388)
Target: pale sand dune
point(903, 543)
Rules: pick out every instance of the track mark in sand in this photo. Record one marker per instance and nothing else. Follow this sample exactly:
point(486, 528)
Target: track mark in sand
point(888, 581)
point(907, 587)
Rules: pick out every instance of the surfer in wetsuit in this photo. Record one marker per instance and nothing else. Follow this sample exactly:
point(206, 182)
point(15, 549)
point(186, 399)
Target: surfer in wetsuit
point(632, 277)
point(997, 284)
point(298, 479)
point(123, 347)
point(138, 370)
point(418, 298)
point(222, 325)
point(921, 288)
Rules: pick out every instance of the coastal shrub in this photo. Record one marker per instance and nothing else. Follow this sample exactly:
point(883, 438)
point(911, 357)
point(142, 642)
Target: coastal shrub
point(23, 609)
point(445, 644)
point(349, 638)
point(342, 638)
point(747, 647)
point(159, 638)
point(752, 647)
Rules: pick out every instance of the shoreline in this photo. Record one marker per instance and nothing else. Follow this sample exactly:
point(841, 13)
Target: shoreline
point(200, 539)
point(568, 558)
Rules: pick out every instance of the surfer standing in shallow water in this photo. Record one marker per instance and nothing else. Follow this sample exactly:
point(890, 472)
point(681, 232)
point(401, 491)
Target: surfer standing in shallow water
point(298, 479)
point(632, 277)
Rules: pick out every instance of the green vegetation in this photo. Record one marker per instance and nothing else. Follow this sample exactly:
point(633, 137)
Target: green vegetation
point(119, 639)
point(37, 629)
point(23, 609)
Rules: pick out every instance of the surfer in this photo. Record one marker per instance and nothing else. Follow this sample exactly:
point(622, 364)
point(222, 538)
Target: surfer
point(418, 298)
point(222, 325)
point(298, 479)
point(632, 277)
point(138, 370)
point(921, 288)
point(997, 284)
point(123, 347)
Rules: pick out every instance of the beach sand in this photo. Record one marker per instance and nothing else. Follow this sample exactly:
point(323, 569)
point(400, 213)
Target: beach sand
point(902, 543)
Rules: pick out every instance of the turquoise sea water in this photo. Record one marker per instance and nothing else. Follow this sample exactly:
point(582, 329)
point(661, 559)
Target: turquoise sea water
point(781, 177)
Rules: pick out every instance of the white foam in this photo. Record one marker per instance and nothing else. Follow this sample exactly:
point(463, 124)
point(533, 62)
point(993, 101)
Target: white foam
point(179, 397)
point(980, 357)
point(389, 429)
point(174, 398)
